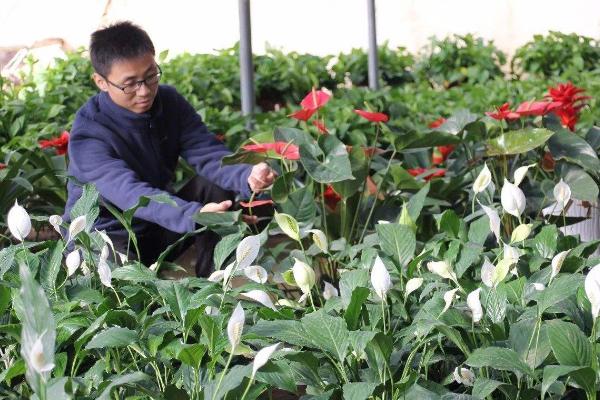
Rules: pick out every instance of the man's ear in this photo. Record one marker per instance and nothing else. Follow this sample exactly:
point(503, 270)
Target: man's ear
point(100, 82)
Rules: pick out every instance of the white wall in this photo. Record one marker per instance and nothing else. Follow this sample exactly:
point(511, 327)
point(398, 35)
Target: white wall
point(315, 26)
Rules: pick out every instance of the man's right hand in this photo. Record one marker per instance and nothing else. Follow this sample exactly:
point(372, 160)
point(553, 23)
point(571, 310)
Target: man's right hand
point(216, 207)
point(224, 206)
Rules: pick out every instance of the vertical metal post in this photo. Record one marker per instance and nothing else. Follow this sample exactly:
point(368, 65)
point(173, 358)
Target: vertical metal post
point(373, 62)
point(246, 67)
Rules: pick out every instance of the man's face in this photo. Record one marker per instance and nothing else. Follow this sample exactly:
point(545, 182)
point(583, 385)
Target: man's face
point(127, 72)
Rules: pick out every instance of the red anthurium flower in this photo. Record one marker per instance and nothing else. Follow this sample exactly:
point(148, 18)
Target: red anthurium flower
point(2, 165)
point(60, 144)
point(331, 197)
point(503, 112)
point(315, 99)
point(286, 150)
point(320, 126)
point(256, 203)
point(373, 116)
point(372, 188)
point(438, 122)
point(567, 93)
point(441, 153)
point(303, 114)
point(537, 107)
point(568, 116)
point(432, 173)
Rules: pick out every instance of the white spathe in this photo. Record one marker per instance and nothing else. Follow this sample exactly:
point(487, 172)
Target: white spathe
point(235, 326)
point(263, 356)
point(247, 251)
point(304, 276)
point(592, 289)
point(380, 278)
point(18, 222)
point(73, 261)
point(475, 305)
point(412, 285)
point(260, 297)
point(483, 180)
point(512, 199)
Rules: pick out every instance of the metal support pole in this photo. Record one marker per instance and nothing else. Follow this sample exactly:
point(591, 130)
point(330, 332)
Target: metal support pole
point(373, 63)
point(246, 67)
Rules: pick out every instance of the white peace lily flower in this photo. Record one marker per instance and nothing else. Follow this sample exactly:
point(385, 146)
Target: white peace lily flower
point(512, 199)
point(383, 222)
point(105, 273)
point(303, 298)
point(487, 273)
point(77, 226)
point(256, 273)
point(285, 303)
point(483, 179)
point(441, 268)
point(380, 278)
point(216, 276)
point(475, 305)
point(37, 359)
point(227, 274)
point(288, 225)
point(247, 251)
point(210, 310)
point(73, 261)
point(106, 240)
point(123, 258)
point(562, 194)
point(464, 376)
point(501, 270)
point(260, 297)
point(592, 289)
point(538, 286)
point(153, 267)
point(235, 326)
point(520, 173)
point(84, 268)
point(412, 285)
point(304, 276)
point(263, 356)
point(56, 221)
point(494, 220)
point(520, 233)
point(557, 262)
point(329, 291)
point(511, 253)
point(448, 298)
point(104, 253)
point(320, 240)
point(18, 222)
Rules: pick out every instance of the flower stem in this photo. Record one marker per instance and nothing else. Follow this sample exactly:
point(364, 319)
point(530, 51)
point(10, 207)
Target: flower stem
point(214, 396)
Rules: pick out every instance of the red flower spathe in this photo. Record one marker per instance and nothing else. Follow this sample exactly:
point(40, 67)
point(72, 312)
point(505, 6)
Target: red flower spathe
point(373, 116)
point(303, 114)
point(503, 112)
point(256, 203)
point(320, 126)
point(286, 150)
point(331, 197)
point(60, 144)
point(315, 100)
point(432, 173)
point(437, 123)
point(537, 108)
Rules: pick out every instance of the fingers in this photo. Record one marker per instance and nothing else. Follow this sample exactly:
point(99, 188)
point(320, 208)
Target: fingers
point(216, 207)
point(250, 219)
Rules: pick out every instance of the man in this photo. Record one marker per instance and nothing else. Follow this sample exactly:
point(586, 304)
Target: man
point(127, 140)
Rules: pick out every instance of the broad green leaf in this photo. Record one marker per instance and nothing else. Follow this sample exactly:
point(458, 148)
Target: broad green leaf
point(291, 332)
point(572, 148)
point(232, 380)
point(330, 164)
point(53, 261)
point(282, 187)
point(326, 333)
point(300, 205)
point(583, 187)
point(498, 358)
point(553, 372)
point(349, 281)
point(545, 242)
point(397, 241)
point(352, 314)
point(277, 374)
point(561, 288)
point(135, 272)
point(517, 142)
point(113, 337)
point(192, 354)
point(358, 390)
point(87, 205)
point(533, 347)
point(128, 379)
point(569, 345)
point(225, 247)
point(177, 297)
point(494, 302)
point(483, 387)
point(358, 164)
point(212, 220)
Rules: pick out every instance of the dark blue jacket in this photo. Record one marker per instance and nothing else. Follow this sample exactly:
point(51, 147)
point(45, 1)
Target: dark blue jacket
point(128, 155)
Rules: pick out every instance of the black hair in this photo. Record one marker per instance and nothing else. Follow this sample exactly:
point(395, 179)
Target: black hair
point(119, 41)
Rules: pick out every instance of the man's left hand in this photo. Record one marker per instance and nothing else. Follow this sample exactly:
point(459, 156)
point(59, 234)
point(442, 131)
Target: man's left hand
point(261, 177)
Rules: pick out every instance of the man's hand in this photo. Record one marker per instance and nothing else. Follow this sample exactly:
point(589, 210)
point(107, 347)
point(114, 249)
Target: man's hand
point(261, 177)
point(224, 206)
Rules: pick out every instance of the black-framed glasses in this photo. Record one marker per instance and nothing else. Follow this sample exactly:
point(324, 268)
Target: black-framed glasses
point(133, 87)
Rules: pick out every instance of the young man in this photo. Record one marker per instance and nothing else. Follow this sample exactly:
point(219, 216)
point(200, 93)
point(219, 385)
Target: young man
point(127, 139)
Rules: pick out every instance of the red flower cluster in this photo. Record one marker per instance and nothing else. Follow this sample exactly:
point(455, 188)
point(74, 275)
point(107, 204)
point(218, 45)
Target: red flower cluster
point(441, 153)
point(432, 173)
point(60, 144)
point(503, 112)
point(437, 123)
point(2, 165)
point(320, 126)
point(373, 116)
point(310, 104)
point(570, 100)
point(331, 197)
point(287, 151)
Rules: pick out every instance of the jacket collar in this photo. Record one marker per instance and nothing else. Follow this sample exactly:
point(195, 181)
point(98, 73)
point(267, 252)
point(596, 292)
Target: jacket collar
point(126, 117)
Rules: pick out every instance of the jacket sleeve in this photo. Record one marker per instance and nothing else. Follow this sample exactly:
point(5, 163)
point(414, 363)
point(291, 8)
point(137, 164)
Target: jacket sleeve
point(96, 163)
point(204, 152)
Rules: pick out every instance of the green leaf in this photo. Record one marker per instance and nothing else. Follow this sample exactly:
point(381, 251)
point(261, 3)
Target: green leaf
point(569, 345)
point(535, 351)
point(552, 373)
point(113, 337)
point(358, 390)
point(457, 122)
point(212, 220)
point(483, 387)
point(397, 241)
point(570, 147)
point(449, 222)
point(282, 187)
point(349, 281)
point(352, 314)
point(545, 242)
point(87, 205)
point(583, 187)
point(326, 333)
point(498, 358)
point(517, 142)
point(192, 354)
point(225, 247)
point(358, 165)
point(116, 381)
point(330, 163)
point(300, 205)
point(287, 331)
point(135, 272)
point(49, 273)
point(177, 297)
point(416, 201)
point(562, 287)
